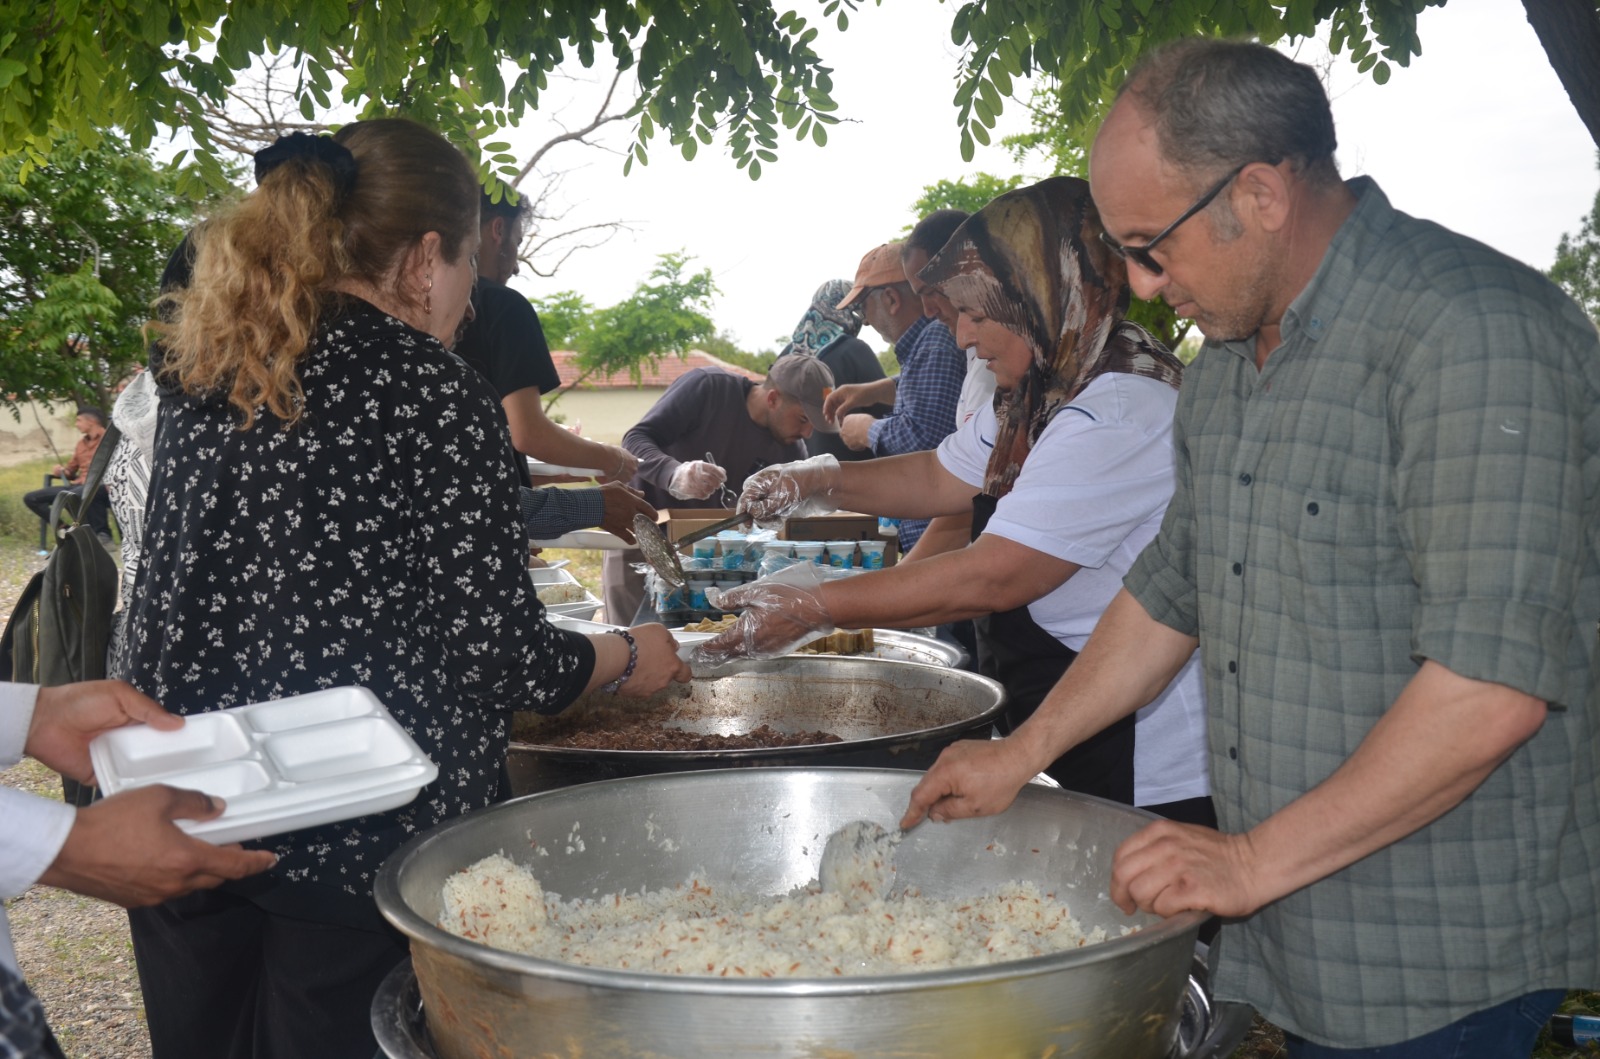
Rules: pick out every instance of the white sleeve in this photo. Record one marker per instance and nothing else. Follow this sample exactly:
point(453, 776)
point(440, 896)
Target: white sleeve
point(1101, 469)
point(965, 452)
point(32, 829)
point(16, 714)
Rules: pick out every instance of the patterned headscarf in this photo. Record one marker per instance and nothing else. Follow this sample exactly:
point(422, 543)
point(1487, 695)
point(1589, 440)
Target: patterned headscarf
point(825, 323)
point(1033, 262)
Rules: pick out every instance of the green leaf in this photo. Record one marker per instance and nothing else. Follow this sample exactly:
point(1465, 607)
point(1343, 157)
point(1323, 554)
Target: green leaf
point(1380, 73)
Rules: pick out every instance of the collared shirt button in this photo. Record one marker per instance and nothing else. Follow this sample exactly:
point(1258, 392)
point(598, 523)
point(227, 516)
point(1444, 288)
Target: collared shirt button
point(1238, 568)
point(1312, 508)
point(1245, 479)
point(1233, 753)
point(1233, 667)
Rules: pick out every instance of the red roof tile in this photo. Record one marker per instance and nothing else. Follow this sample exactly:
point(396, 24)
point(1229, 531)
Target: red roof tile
point(668, 370)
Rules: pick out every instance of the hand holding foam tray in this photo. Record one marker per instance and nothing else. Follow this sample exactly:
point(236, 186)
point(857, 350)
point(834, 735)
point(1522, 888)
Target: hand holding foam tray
point(281, 765)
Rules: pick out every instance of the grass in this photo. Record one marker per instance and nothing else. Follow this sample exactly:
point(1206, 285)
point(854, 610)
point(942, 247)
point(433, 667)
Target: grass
point(16, 521)
point(581, 563)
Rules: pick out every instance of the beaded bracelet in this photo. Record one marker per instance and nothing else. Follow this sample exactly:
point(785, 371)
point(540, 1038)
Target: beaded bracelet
point(633, 660)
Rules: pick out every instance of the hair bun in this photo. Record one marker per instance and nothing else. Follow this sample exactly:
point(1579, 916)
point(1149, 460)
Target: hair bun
point(325, 149)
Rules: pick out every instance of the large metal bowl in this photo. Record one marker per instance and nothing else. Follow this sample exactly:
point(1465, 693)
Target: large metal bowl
point(889, 714)
point(763, 830)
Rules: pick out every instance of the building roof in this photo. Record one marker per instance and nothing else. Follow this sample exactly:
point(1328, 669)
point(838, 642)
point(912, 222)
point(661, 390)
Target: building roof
point(670, 368)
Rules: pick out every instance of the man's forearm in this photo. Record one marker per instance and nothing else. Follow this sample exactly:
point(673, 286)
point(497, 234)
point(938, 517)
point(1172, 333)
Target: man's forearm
point(1440, 740)
point(535, 434)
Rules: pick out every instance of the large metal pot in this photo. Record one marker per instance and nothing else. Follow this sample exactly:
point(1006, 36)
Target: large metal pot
point(763, 830)
point(889, 714)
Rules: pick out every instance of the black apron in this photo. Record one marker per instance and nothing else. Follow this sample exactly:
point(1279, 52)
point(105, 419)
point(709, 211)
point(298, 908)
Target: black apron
point(1028, 661)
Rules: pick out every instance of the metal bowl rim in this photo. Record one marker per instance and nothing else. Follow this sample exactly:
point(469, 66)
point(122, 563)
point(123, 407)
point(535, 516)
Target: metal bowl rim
point(759, 753)
point(386, 891)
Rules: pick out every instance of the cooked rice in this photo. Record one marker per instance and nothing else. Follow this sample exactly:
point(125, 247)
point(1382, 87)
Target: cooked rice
point(699, 929)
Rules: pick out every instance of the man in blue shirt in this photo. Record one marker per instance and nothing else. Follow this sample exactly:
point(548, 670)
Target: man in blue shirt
point(932, 369)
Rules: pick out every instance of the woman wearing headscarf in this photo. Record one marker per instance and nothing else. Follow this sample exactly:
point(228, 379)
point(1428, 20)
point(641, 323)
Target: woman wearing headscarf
point(333, 502)
point(1073, 467)
point(828, 333)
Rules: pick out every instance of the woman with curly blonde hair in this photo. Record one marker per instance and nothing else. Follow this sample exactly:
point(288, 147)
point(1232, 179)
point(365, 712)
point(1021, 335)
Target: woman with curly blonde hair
point(333, 502)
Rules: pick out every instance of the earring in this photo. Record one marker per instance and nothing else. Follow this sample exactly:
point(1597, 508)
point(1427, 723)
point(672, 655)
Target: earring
point(427, 296)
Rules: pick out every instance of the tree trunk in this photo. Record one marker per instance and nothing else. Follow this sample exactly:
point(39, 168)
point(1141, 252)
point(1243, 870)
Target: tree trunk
point(1570, 33)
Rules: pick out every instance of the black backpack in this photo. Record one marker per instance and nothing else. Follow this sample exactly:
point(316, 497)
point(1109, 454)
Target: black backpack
point(60, 630)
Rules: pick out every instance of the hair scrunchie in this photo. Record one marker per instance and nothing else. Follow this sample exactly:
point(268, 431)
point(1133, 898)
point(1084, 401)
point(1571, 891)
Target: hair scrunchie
point(325, 149)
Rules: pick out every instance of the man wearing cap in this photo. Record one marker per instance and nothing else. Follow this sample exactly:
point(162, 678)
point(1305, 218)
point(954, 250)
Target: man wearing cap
point(932, 369)
point(743, 425)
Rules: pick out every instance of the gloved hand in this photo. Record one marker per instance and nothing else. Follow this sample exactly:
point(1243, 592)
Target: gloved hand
point(781, 612)
point(696, 480)
point(788, 490)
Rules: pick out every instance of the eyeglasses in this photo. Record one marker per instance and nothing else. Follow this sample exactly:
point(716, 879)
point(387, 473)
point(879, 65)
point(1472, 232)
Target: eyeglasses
point(1140, 255)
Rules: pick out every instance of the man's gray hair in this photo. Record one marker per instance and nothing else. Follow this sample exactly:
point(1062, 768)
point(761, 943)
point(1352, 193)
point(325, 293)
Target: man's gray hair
point(1220, 104)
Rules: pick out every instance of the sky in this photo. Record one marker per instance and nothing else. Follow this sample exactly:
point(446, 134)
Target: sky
point(1476, 134)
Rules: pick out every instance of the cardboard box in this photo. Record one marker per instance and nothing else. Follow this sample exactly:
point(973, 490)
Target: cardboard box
point(678, 522)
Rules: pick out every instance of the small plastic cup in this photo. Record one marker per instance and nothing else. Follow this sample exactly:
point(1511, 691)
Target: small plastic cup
point(842, 555)
point(778, 549)
point(871, 554)
point(697, 593)
point(810, 551)
point(705, 548)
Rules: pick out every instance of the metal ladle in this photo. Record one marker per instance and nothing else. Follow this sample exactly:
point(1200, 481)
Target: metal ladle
point(660, 553)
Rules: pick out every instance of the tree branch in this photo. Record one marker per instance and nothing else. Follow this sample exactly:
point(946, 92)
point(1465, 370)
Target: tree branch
point(601, 118)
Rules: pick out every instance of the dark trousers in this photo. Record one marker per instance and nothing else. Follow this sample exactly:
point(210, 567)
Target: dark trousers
point(225, 979)
point(1505, 1031)
point(40, 500)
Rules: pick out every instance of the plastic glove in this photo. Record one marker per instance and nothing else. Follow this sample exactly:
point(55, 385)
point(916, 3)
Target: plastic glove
point(781, 612)
point(789, 490)
point(696, 480)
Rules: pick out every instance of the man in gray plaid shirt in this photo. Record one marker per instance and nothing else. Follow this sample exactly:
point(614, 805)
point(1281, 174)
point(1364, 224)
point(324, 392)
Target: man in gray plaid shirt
point(1384, 541)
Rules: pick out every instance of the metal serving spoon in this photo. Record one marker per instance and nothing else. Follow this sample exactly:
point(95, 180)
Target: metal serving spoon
point(858, 861)
point(660, 553)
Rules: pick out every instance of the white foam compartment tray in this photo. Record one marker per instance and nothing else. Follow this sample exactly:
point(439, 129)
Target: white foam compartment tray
point(584, 608)
point(280, 765)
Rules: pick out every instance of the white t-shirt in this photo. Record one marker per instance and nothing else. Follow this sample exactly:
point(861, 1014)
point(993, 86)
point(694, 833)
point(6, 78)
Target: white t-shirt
point(977, 389)
point(1092, 492)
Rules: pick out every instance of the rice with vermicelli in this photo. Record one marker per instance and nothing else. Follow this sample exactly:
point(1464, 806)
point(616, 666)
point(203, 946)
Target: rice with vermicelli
point(699, 929)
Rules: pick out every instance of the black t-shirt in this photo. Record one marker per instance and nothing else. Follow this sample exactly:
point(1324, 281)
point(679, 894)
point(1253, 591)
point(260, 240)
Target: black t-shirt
point(850, 360)
point(505, 344)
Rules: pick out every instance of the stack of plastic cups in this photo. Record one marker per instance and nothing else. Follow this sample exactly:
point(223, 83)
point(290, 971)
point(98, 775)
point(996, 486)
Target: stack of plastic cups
point(810, 551)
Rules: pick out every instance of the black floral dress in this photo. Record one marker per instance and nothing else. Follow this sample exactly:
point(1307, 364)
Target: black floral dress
point(376, 542)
